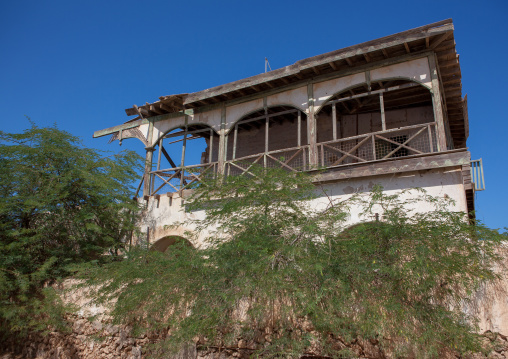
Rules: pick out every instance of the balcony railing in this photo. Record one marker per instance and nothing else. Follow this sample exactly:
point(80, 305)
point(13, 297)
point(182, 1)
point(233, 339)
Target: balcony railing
point(477, 175)
point(382, 145)
point(180, 178)
point(291, 159)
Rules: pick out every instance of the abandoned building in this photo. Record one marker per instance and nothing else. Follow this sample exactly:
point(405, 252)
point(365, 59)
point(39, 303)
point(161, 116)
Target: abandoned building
point(387, 111)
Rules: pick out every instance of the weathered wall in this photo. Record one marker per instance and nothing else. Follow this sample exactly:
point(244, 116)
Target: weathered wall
point(159, 214)
point(98, 339)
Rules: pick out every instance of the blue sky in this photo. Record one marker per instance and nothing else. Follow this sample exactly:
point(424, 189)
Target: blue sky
point(81, 63)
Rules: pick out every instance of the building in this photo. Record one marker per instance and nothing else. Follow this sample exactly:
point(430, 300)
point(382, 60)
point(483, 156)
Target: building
point(388, 111)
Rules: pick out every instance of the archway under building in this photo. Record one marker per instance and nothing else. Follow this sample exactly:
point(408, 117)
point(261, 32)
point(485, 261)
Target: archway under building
point(163, 244)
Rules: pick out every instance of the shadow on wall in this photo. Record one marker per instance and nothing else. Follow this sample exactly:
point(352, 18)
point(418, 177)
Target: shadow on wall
point(164, 243)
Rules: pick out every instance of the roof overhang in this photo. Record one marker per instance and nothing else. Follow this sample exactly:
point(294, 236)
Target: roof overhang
point(437, 38)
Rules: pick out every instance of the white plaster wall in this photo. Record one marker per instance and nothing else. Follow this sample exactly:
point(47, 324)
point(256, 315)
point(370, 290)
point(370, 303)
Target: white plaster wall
point(163, 126)
point(211, 118)
point(236, 112)
point(161, 213)
point(438, 182)
point(326, 89)
point(297, 97)
point(144, 130)
point(416, 70)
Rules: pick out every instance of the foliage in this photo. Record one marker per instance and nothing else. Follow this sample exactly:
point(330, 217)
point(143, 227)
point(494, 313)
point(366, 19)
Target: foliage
point(281, 269)
point(60, 203)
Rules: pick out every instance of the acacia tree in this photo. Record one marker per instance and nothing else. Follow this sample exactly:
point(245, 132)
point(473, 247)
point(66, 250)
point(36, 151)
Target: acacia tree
point(280, 276)
point(60, 203)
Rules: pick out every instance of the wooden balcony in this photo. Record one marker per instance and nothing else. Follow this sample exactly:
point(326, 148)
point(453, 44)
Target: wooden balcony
point(371, 148)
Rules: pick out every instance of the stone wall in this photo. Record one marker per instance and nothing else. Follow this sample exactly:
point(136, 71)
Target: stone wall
point(117, 343)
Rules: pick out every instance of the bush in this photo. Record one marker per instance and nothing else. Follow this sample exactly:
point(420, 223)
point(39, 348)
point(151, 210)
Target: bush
point(60, 203)
point(287, 276)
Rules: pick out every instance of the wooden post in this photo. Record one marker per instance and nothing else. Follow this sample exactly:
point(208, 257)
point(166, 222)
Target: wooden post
point(221, 156)
point(159, 154)
point(431, 144)
point(210, 153)
point(436, 101)
point(311, 128)
point(382, 104)
point(148, 161)
point(234, 141)
point(299, 128)
point(334, 121)
point(182, 163)
point(373, 147)
point(267, 125)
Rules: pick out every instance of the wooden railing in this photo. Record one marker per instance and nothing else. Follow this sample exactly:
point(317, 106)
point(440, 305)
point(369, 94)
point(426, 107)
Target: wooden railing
point(382, 145)
point(180, 178)
point(291, 159)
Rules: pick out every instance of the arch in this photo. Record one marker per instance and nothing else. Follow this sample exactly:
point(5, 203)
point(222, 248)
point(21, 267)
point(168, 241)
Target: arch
point(190, 127)
point(365, 84)
point(258, 110)
point(182, 154)
point(397, 111)
point(164, 243)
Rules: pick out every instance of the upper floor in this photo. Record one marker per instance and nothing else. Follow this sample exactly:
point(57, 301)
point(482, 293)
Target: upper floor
point(397, 98)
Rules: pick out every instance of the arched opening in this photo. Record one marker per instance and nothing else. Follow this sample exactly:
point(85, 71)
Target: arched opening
point(381, 120)
point(183, 155)
point(164, 243)
point(271, 137)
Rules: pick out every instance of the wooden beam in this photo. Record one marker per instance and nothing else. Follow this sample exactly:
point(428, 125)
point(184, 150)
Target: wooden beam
point(316, 70)
point(114, 129)
point(333, 66)
point(368, 93)
point(382, 105)
point(406, 46)
point(156, 110)
point(385, 53)
point(311, 127)
point(367, 57)
point(349, 62)
point(356, 98)
point(334, 121)
point(166, 108)
point(437, 105)
point(148, 162)
point(427, 39)
point(136, 108)
point(449, 63)
point(440, 39)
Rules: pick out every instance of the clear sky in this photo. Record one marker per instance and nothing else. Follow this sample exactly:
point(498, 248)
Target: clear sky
point(79, 64)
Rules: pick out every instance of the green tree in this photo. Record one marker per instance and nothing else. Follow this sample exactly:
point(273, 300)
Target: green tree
point(288, 278)
point(60, 203)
